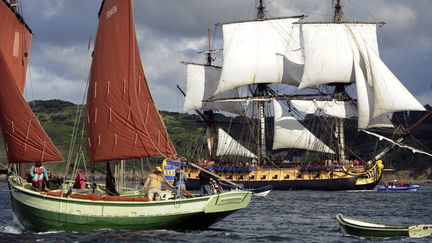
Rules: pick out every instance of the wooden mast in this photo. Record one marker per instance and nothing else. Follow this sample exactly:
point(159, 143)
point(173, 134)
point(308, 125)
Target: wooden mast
point(209, 113)
point(339, 93)
point(261, 90)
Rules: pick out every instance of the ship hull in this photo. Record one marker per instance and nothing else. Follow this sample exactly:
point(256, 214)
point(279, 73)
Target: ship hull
point(327, 179)
point(318, 184)
point(39, 212)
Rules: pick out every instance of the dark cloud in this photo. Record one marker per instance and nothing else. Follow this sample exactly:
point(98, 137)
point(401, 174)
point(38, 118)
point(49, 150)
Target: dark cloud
point(171, 31)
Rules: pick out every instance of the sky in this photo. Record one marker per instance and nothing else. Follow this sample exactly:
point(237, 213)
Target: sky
point(171, 31)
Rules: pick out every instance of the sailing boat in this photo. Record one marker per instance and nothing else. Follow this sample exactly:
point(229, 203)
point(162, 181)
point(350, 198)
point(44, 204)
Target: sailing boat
point(122, 123)
point(320, 59)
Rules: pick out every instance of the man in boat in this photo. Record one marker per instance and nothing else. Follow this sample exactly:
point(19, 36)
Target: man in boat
point(180, 179)
point(204, 180)
point(38, 173)
point(80, 180)
point(153, 184)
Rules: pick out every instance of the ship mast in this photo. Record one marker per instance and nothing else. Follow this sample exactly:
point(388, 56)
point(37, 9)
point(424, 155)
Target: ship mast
point(209, 114)
point(261, 90)
point(339, 93)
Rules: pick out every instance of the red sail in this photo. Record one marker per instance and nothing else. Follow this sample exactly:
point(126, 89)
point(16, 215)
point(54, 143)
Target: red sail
point(122, 120)
point(24, 138)
point(15, 41)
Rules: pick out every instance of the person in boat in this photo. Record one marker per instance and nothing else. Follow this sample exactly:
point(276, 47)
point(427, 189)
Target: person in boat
point(180, 179)
point(153, 184)
point(215, 186)
point(204, 180)
point(80, 180)
point(38, 174)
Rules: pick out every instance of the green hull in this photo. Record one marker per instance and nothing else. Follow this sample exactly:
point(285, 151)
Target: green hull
point(38, 212)
point(369, 229)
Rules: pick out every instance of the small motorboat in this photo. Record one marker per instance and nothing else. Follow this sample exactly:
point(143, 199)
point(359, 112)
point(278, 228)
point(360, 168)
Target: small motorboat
point(411, 188)
point(371, 229)
point(397, 186)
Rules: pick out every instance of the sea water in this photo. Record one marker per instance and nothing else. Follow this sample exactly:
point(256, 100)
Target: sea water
point(282, 216)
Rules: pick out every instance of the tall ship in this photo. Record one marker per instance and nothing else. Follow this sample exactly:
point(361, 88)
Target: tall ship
point(122, 123)
point(288, 85)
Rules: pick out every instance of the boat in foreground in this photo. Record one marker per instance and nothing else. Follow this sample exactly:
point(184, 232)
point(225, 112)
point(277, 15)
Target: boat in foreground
point(42, 211)
point(371, 229)
point(122, 124)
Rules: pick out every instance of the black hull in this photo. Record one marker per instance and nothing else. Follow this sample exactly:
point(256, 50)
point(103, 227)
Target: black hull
point(318, 184)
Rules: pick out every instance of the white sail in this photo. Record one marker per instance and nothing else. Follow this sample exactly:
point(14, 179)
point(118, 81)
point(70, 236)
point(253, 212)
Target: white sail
point(330, 49)
point(261, 52)
point(208, 139)
point(365, 100)
point(289, 133)
point(414, 150)
point(333, 108)
point(389, 93)
point(201, 85)
point(228, 146)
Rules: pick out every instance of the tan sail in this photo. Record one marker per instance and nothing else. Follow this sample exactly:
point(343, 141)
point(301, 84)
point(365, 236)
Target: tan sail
point(15, 42)
point(122, 119)
point(24, 138)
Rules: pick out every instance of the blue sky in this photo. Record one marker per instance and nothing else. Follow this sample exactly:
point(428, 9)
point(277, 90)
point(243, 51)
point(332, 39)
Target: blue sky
point(170, 31)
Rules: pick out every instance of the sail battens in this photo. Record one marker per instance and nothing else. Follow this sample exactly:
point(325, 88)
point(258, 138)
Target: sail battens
point(24, 137)
point(134, 110)
point(265, 51)
point(289, 133)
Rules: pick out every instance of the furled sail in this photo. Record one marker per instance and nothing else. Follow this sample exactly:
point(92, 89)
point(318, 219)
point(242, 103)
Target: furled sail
point(228, 146)
point(289, 133)
point(201, 85)
point(24, 138)
point(15, 42)
point(399, 144)
point(330, 50)
point(122, 119)
point(340, 109)
point(389, 94)
point(265, 51)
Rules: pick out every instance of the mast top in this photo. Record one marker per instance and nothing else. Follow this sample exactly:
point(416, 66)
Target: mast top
point(338, 12)
point(260, 12)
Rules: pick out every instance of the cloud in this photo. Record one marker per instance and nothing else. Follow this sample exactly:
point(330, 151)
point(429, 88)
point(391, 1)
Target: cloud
point(170, 31)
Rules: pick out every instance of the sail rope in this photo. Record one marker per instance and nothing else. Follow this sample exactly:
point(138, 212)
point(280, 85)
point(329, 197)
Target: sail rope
point(143, 121)
point(78, 115)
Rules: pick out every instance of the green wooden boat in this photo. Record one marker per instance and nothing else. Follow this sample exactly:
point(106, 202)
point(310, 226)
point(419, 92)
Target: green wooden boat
point(39, 211)
point(371, 229)
point(122, 123)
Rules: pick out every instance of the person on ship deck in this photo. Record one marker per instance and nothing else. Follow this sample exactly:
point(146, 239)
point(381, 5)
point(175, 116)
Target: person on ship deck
point(80, 180)
point(153, 184)
point(38, 174)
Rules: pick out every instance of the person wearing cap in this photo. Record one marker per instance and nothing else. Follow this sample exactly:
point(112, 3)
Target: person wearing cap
point(38, 173)
point(153, 184)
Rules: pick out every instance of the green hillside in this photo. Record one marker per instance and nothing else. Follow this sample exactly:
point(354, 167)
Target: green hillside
point(186, 132)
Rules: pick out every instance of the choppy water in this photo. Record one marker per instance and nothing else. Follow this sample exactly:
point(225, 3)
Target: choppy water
point(283, 216)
